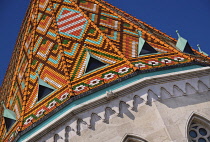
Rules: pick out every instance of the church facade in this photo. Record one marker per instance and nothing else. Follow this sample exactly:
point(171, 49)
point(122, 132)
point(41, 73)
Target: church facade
point(86, 71)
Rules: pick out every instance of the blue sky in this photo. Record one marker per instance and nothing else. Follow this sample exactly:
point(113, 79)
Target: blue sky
point(190, 17)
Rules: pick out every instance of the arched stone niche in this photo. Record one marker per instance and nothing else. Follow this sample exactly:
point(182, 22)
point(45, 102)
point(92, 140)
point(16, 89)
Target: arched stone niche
point(132, 138)
point(198, 129)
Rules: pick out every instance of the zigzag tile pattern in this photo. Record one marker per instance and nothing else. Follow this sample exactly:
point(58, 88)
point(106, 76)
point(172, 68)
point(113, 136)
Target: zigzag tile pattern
point(145, 94)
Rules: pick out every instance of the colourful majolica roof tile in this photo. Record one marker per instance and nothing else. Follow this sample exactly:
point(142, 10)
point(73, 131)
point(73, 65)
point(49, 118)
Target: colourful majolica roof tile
point(68, 47)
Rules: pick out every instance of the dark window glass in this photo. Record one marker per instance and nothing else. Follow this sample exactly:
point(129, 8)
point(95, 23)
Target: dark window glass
point(44, 91)
point(94, 64)
point(193, 134)
point(147, 49)
point(188, 49)
point(9, 122)
point(201, 140)
point(209, 138)
point(202, 131)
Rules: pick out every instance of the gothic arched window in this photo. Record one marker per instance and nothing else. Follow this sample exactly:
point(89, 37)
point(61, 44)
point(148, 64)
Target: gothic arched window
point(198, 129)
point(132, 138)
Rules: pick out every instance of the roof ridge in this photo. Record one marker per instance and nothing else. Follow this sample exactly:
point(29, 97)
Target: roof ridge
point(105, 37)
point(137, 19)
point(141, 29)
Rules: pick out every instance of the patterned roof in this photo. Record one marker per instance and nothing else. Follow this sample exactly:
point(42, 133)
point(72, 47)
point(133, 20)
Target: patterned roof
point(75, 46)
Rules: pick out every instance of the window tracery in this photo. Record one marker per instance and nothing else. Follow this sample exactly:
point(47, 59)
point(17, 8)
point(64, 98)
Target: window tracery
point(132, 138)
point(199, 129)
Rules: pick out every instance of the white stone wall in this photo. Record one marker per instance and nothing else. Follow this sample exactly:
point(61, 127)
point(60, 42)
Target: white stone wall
point(156, 109)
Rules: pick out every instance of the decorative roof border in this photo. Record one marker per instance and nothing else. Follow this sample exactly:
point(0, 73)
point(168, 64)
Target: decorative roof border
point(101, 91)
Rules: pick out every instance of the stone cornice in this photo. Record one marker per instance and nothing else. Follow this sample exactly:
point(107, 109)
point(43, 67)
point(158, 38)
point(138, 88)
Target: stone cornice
point(127, 89)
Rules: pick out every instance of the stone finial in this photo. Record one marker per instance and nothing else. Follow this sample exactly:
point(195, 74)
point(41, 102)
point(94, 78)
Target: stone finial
point(37, 74)
point(86, 48)
point(109, 94)
point(178, 33)
point(199, 49)
point(3, 104)
point(139, 33)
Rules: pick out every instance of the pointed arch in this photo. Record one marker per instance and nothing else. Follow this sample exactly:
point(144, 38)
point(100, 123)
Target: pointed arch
point(79, 127)
point(122, 108)
point(136, 102)
point(198, 129)
point(108, 112)
point(133, 138)
point(67, 130)
point(151, 96)
point(202, 87)
point(190, 89)
point(164, 94)
point(56, 137)
point(93, 120)
point(177, 91)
